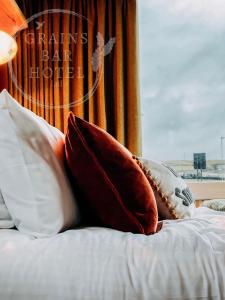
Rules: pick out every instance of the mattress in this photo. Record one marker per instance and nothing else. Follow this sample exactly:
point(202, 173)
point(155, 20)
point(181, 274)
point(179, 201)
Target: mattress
point(185, 260)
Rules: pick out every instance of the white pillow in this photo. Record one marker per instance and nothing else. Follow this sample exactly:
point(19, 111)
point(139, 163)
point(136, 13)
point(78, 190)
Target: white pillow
point(174, 198)
point(215, 204)
point(5, 218)
point(33, 182)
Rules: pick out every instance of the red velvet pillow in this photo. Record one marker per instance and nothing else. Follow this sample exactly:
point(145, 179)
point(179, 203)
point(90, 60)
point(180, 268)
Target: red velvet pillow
point(115, 192)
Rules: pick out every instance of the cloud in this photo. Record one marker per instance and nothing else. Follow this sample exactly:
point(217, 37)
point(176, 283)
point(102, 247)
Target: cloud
point(182, 79)
point(207, 11)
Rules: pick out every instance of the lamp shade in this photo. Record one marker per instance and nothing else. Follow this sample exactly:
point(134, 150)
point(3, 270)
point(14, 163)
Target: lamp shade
point(11, 17)
point(11, 21)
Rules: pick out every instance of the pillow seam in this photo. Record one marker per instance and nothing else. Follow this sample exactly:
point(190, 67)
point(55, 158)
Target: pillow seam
point(155, 187)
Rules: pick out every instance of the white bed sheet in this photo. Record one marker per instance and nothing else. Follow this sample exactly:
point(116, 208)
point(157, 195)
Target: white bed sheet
point(185, 260)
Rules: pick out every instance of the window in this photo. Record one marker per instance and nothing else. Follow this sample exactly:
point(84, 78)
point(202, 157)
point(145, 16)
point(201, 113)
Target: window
point(182, 63)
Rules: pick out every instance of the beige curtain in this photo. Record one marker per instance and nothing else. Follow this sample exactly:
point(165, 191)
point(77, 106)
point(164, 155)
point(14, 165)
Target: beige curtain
point(56, 71)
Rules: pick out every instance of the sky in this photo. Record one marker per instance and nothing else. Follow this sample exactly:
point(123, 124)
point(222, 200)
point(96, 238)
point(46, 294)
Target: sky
point(182, 68)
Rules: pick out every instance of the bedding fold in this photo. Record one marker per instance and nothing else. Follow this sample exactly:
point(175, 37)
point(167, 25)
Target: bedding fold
point(185, 260)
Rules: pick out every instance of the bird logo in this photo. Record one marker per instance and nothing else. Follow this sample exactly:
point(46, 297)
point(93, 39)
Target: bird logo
point(39, 24)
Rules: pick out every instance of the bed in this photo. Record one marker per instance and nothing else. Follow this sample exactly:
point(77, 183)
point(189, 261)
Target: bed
point(185, 260)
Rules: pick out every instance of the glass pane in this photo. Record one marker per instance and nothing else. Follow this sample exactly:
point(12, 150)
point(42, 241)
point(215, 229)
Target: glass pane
point(182, 63)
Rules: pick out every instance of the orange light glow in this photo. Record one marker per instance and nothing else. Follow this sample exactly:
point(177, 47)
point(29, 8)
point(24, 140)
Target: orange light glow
point(11, 18)
point(8, 47)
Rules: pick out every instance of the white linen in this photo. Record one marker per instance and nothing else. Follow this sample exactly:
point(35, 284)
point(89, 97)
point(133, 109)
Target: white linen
point(5, 218)
point(33, 181)
point(185, 260)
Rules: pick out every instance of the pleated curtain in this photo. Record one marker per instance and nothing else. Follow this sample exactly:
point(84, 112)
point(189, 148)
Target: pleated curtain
point(46, 56)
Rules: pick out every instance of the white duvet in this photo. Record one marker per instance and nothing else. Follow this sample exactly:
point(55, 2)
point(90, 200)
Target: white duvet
point(185, 260)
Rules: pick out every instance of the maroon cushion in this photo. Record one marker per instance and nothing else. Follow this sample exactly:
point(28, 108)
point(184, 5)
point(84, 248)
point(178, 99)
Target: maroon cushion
point(114, 191)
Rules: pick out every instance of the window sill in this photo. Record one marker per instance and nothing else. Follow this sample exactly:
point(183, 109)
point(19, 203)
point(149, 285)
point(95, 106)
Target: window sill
point(207, 190)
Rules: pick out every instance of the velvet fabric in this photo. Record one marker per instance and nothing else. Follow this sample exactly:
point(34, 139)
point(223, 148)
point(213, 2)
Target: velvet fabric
point(114, 191)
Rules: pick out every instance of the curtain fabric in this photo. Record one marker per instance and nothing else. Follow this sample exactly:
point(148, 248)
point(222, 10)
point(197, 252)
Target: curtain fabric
point(63, 57)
